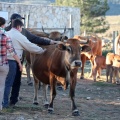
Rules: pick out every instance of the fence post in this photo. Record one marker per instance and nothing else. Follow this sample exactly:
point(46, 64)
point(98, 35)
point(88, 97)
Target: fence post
point(71, 32)
point(115, 34)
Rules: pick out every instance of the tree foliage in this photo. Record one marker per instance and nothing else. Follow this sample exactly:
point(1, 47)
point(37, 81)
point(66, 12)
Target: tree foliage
point(92, 14)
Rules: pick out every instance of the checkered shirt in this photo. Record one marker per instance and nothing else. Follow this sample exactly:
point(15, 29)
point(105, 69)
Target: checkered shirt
point(5, 44)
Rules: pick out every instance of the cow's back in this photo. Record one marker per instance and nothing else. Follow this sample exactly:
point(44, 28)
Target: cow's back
point(96, 45)
point(38, 33)
point(116, 61)
point(109, 58)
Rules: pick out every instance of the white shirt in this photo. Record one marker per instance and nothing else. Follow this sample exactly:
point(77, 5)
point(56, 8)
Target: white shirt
point(20, 43)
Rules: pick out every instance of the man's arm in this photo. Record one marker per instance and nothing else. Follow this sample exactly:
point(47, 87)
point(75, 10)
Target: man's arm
point(28, 46)
point(35, 39)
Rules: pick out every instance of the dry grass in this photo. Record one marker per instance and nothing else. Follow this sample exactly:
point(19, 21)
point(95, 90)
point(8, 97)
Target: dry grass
point(114, 22)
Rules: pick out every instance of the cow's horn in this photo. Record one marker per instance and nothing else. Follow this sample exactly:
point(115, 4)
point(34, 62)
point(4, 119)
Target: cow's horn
point(44, 31)
point(84, 41)
point(64, 31)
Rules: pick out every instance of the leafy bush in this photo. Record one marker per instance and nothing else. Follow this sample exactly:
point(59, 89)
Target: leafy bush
point(104, 52)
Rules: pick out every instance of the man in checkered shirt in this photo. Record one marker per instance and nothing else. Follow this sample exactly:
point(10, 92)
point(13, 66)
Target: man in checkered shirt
point(5, 45)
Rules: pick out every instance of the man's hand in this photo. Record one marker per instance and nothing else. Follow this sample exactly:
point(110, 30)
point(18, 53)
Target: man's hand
point(55, 42)
point(20, 66)
point(44, 49)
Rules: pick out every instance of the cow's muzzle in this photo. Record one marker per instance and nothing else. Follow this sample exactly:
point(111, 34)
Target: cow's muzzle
point(76, 63)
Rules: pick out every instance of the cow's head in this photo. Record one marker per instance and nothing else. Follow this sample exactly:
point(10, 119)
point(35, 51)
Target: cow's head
point(70, 56)
point(73, 48)
point(93, 41)
point(55, 35)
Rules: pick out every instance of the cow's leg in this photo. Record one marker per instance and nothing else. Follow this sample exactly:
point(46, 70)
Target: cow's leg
point(36, 86)
point(116, 71)
point(29, 81)
point(45, 101)
point(73, 81)
point(83, 59)
point(107, 72)
point(99, 73)
point(94, 71)
point(112, 75)
point(92, 67)
point(117, 76)
point(52, 93)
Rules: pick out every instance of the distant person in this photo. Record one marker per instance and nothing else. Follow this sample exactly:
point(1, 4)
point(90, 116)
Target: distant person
point(5, 44)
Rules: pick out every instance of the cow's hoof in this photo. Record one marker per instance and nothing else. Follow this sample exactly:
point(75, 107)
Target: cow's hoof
point(90, 76)
point(75, 113)
point(50, 110)
point(35, 103)
point(81, 77)
point(49, 87)
point(94, 80)
point(30, 84)
point(117, 83)
point(98, 77)
point(59, 88)
point(46, 105)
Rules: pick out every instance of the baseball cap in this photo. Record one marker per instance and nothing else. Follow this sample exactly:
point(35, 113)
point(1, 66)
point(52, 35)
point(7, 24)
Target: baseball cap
point(16, 16)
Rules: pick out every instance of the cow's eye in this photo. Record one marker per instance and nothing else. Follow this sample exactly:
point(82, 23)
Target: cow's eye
point(80, 48)
point(68, 49)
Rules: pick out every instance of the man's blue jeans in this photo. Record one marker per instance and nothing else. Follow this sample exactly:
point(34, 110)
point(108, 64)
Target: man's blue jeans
point(9, 81)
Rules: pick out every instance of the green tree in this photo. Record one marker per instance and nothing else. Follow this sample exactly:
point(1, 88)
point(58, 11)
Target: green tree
point(92, 14)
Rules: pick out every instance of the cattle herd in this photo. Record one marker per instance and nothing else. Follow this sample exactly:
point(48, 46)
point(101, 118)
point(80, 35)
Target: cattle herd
point(60, 63)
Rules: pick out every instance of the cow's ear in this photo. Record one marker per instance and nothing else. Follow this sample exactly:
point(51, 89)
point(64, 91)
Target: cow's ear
point(85, 48)
point(61, 46)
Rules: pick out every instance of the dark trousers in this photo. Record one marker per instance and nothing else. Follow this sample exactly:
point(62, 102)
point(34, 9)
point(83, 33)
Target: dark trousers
point(16, 87)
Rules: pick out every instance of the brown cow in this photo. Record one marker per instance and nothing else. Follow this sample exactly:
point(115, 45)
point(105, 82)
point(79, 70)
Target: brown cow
point(113, 67)
point(58, 63)
point(96, 49)
point(99, 62)
point(55, 35)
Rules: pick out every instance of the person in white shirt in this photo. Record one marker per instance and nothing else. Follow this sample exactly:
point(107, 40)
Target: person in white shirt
point(20, 43)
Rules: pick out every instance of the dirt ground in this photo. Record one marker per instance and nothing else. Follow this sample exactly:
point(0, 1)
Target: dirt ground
point(95, 101)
